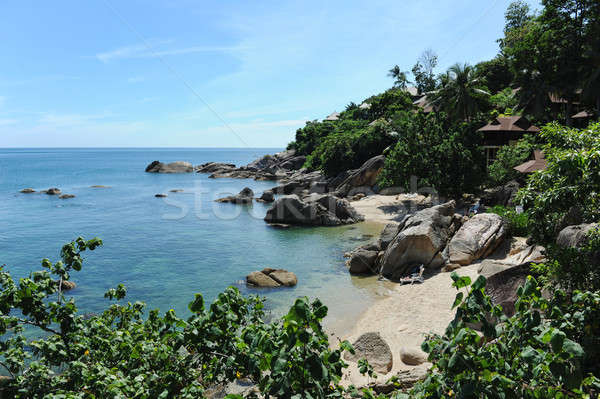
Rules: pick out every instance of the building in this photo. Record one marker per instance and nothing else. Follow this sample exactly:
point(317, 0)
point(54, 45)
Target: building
point(505, 130)
point(538, 163)
point(333, 117)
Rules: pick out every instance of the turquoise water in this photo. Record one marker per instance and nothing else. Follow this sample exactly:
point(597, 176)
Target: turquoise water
point(165, 250)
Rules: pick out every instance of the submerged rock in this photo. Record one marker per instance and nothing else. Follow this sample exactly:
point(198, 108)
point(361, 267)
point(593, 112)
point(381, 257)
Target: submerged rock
point(67, 196)
point(375, 350)
point(53, 191)
point(160, 195)
point(243, 197)
point(27, 191)
point(272, 278)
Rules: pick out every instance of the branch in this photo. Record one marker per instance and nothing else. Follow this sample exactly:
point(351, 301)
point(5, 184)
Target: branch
point(47, 329)
point(7, 369)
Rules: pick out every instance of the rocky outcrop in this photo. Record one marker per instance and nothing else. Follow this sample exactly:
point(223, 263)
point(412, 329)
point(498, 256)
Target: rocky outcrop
point(53, 191)
point(245, 196)
point(161, 195)
point(375, 350)
point(271, 278)
point(501, 195)
point(173, 167)
point(476, 239)
point(365, 176)
point(66, 196)
point(413, 356)
point(212, 167)
point(313, 210)
point(267, 196)
point(390, 231)
point(421, 239)
point(575, 236)
point(363, 261)
point(27, 191)
point(502, 286)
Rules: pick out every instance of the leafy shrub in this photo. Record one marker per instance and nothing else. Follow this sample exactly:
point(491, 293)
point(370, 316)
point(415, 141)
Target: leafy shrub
point(441, 155)
point(518, 223)
point(123, 352)
point(571, 180)
point(533, 354)
point(349, 147)
point(502, 170)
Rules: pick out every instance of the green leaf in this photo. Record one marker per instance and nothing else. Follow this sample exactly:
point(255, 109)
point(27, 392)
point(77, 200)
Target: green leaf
point(458, 300)
point(197, 305)
point(573, 348)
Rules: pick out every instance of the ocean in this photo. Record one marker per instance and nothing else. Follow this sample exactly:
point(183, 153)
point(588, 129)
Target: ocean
point(164, 250)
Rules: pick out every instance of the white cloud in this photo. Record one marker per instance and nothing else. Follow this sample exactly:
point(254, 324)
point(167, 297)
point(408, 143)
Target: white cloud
point(150, 50)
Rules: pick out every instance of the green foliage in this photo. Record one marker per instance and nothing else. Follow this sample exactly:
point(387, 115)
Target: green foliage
point(502, 170)
point(350, 146)
point(496, 73)
point(126, 352)
point(441, 155)
point(423, 72)
point(518, 223)
point(504, 101)
point(524, 356)
point(571, 180)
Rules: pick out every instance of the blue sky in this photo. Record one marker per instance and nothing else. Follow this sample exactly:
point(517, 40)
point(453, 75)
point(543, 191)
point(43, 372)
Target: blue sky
point(183, 73)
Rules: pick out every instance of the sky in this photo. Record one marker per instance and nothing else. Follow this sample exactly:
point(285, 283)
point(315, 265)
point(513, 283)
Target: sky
point(188, 73)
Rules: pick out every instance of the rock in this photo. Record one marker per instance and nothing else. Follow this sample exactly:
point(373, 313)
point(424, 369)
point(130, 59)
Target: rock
point(212, 167)
point(244, 387)
point(160, 195)
point(501, 195)
point(502, 286)
point(363, 262)
point(366, 175)
point(53, 191)
point(243, 197)
point(259, 279)
point(176, 190)
point(27, 191)
point(173, 167)
point(413, 356)
point(279, 225)
point(489, 267)
point(283, 277)
point(66, 285)
point(372, 347)
point(573, 217)
point(574, 236)
point(267, 196)
point(99, 186)
point(421, 239)
point(390, 231)
point(314, 210)
point(66, 196)
point(272, 278)
point(476, 239)
point(294, 163)
point(358, 197)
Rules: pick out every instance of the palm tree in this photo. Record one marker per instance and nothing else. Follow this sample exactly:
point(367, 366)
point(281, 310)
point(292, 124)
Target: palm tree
point(459, 92)
point(400, 77)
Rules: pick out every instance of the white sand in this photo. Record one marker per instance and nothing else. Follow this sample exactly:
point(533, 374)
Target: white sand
point(403, 318)
point(386, 208)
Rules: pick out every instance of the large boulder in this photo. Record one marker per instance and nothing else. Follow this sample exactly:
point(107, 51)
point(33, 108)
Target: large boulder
point(284, 277)
point(213, 167)
point(53, 191)
point(267, 196)
point(476, 239)
point(501, 195)
point(575, 236)
point(390, 231)
point(375, 350)
point(314, 210)
point(260, 279)
point(502, 286)
point(173, 167)
point(421, 239)
point(365, 176)
point(363, 262)
point(243, 197)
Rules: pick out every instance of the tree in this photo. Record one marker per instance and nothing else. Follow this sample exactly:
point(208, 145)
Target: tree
point(496, 74)
point(400, 77)
point(460, 94)
point(423, 71)
point(517, 16)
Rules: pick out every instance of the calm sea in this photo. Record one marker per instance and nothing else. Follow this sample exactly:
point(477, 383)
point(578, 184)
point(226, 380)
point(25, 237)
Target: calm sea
point(165, 249)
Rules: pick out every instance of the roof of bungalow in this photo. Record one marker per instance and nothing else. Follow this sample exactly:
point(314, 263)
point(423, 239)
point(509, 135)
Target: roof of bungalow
point(364, 106)
point(539, 163)
point(555, 98)
point(334, 116)
point(413, 91)
point(424, 104)
point(583, 115)
point(510, 124)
